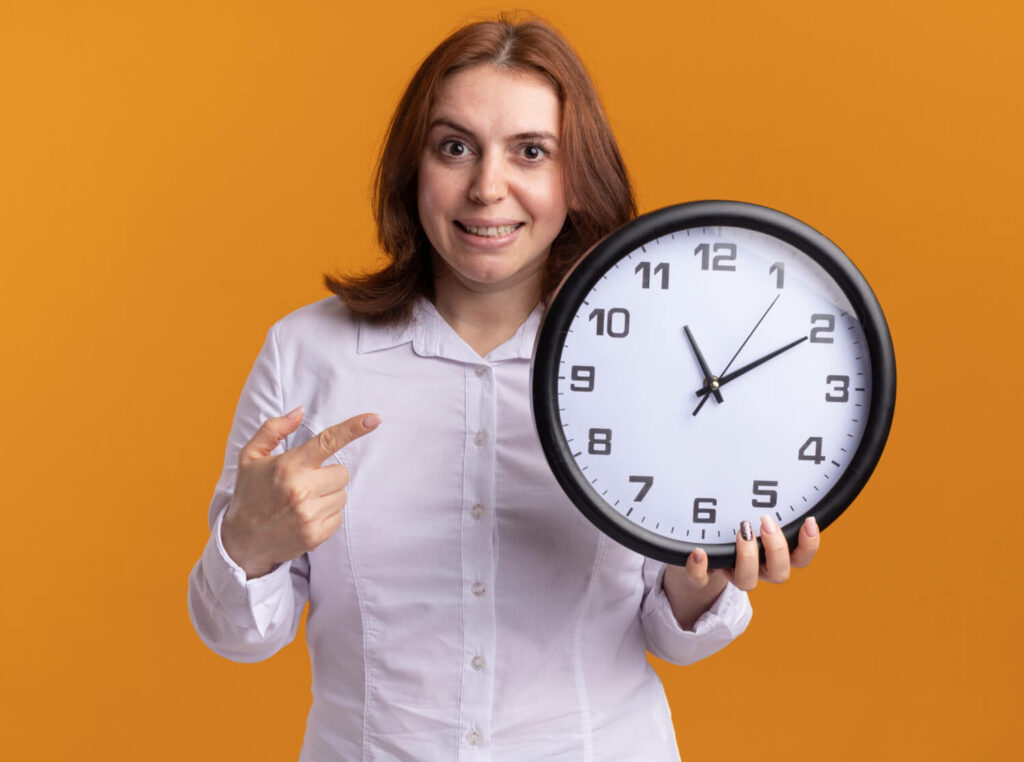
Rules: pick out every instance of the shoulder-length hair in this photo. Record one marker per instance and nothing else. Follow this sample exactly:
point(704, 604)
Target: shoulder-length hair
point(594, 175)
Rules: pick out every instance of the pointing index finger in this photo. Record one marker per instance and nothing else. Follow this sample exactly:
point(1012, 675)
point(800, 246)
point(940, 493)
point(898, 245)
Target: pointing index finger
point(333, 438)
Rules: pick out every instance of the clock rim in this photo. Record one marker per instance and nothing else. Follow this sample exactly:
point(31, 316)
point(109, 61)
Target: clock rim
point(567, 298)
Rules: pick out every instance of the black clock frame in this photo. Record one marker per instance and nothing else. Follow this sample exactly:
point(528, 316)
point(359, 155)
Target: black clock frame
point(630, 237)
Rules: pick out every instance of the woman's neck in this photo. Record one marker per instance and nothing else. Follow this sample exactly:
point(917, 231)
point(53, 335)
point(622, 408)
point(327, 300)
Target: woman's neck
point(485, 320)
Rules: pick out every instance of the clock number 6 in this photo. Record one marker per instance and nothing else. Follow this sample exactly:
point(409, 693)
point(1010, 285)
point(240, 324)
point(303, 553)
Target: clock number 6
point(703, 510)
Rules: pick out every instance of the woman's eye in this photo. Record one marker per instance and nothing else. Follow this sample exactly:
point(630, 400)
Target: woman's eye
point(534, 152)
point(454, 148)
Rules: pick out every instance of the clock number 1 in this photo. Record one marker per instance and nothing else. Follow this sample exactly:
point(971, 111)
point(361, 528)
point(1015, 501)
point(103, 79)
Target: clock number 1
point(644, 268)
point(703, 510)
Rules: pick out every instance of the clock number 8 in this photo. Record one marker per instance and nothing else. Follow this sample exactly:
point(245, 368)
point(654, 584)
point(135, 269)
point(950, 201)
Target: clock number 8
point(600, 442)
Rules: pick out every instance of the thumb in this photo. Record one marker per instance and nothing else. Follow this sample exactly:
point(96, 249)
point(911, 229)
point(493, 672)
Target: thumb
point(269, 435)
point(333, 438)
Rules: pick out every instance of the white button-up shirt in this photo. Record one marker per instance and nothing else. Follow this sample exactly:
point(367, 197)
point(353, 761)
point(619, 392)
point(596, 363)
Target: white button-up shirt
point(465, 610)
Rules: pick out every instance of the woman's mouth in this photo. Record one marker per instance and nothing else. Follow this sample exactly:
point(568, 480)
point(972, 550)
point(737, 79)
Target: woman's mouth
point(489, 231)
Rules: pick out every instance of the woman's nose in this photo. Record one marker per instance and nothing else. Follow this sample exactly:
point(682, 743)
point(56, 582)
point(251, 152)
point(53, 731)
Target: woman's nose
point(490, 184)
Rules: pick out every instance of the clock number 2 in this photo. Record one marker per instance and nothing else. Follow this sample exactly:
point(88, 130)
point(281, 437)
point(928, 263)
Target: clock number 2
point(818, 332)
point(617, 329)
point(704, 511)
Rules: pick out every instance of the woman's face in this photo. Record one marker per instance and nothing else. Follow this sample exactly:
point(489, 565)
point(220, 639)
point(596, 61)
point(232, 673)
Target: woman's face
point(490, 191)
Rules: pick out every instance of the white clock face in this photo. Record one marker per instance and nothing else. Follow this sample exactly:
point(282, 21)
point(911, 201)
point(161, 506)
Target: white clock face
point(685, 465)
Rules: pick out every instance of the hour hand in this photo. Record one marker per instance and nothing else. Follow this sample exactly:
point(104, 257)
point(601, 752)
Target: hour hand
point(710, 381)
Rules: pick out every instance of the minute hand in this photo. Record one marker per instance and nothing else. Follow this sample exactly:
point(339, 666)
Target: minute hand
point(722, 380)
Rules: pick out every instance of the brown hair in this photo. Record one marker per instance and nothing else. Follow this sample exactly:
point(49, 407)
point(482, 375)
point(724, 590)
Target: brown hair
point(594, 174)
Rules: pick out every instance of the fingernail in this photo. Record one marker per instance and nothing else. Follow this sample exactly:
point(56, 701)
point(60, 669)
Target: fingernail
point(811, 526)
point(294, 415)
point(746, 532)
point(767, 525)
point(371, 421)
point(698, 556)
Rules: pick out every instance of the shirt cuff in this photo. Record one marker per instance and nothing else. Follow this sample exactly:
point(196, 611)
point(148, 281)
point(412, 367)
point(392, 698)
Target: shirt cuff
point(248, 603)
point(723, 622)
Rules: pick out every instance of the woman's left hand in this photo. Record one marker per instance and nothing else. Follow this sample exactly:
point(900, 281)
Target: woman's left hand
point(691, 589)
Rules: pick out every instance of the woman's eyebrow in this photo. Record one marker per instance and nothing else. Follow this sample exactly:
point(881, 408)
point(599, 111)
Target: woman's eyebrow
point(532, 135)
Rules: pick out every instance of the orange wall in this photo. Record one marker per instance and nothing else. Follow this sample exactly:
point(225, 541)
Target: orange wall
point(175, 176)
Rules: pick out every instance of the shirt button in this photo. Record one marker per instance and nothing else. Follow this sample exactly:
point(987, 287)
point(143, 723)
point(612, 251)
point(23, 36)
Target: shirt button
point(480, 438)
point(473, 737)
point(478, 662)
point(479, 588)
point(478, 511)
point(480, 371)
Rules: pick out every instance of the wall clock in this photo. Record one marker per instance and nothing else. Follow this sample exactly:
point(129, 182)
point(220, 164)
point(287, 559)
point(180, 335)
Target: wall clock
point(707, 363)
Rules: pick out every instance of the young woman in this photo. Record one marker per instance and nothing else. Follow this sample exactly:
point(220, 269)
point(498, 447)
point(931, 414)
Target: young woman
point(459, 606)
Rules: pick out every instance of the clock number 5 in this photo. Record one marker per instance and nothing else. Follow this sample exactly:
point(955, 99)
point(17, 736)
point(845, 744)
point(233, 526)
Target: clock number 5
point(704, 511)
point(766, 490)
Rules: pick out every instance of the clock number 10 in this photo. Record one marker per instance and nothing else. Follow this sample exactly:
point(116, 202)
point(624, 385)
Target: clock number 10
point(617, 322)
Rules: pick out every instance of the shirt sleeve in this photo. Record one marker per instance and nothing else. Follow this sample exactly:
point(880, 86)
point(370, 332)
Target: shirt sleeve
point(728, 616)
point(246, 620)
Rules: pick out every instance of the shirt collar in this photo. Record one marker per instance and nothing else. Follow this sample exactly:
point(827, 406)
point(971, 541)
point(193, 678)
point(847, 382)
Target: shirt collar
point(431, 336)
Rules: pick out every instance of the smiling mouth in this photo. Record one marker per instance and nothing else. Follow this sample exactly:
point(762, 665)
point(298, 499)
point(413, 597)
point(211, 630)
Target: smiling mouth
point(490, 232)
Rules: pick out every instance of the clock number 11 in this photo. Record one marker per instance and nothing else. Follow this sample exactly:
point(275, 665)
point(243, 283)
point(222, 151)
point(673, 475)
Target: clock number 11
point(644, 268)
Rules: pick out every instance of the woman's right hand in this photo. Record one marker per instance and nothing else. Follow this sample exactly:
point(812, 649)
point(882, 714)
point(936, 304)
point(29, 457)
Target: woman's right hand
point(286, 505)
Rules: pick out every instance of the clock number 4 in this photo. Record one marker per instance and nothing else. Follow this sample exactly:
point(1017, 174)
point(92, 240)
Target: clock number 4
point(704, 510)
point(811, 450)
point(617, 323)
point(722, 262)
point(644, 268)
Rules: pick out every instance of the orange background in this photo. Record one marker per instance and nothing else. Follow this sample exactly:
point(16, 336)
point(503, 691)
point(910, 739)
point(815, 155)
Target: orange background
point(175, 176)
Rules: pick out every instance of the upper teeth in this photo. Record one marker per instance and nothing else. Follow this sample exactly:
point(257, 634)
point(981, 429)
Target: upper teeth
point(491, 232)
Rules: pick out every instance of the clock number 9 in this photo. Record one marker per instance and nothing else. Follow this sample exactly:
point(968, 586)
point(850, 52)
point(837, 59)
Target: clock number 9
point(600, 442)
point(615, 331)
point(719, 261)
point(585, 375)
point(703, 512)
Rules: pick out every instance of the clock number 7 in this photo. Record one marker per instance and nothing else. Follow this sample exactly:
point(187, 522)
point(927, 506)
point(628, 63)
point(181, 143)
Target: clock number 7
point(647, 481)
